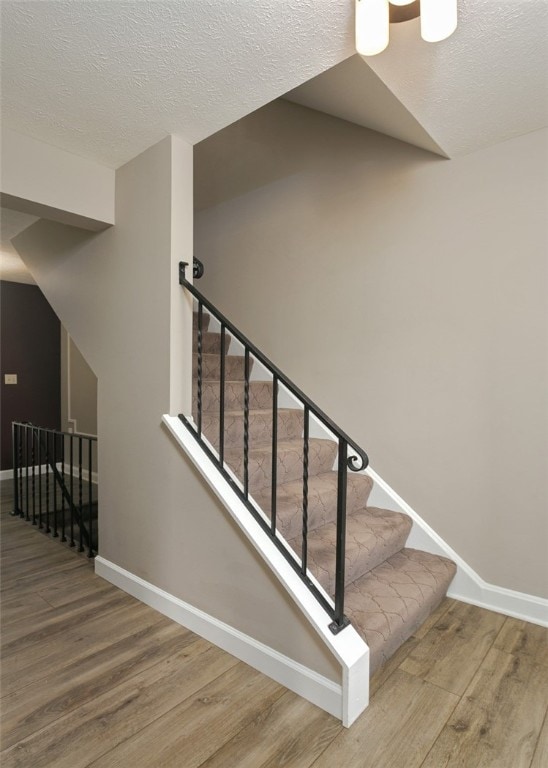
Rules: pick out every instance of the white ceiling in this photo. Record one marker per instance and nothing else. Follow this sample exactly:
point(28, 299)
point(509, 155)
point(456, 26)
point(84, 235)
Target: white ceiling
point(106, 79)
point(487, 83)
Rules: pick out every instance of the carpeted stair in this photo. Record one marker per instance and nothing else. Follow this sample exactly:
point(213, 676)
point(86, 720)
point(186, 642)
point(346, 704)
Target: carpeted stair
point(390, 589)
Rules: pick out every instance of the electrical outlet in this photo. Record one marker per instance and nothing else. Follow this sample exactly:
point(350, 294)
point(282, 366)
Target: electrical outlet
point(10, 378)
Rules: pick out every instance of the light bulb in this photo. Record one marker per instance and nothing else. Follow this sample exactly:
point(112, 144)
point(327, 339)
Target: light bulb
point(371, 26)
point(438, 19)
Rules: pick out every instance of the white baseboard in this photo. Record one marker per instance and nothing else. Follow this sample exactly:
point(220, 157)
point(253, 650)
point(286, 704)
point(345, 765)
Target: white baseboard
point(467, 586)
point(39, 469)
point(85, 473)
point(300, 679)
point(7, 474)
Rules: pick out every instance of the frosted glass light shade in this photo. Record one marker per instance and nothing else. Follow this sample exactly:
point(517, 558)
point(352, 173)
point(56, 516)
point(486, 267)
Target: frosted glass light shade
point(401, 2)
point(438, 19)
point(371, 26)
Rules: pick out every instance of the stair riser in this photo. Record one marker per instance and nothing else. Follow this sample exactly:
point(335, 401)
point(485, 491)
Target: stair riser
point(205, 321)
point(322, 506)
point(289, 464)
point(260, 395)
point(370, 540)
point(211, 367)
point(211, 342)
point(290, 426)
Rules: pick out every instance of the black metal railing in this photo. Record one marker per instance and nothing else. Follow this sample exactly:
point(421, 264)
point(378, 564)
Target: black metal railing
point(350, 456)
point(53, 483)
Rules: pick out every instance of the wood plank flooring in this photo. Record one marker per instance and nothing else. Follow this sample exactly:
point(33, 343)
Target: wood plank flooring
point(92, 677)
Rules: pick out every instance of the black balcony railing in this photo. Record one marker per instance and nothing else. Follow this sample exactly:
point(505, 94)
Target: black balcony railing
point(53, 484)
point(350, 456)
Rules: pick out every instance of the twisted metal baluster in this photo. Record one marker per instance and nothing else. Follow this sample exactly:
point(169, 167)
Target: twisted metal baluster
point(222, 398)
point(90, 501)
point(15, 450)
point(63, 536)
point(72, 543)
point(33, 459)
point(55, 531)
point(80, 508)
point(27, 473)
point(200, 363)
point(246, 422)
point(20, 452)
point(274, 489)
point(48, 529)
point(40, 523)
point(304, 553)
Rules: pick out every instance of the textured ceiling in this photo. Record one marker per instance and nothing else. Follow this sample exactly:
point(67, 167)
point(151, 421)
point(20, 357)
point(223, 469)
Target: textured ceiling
point(105, 80)
point(487, 83)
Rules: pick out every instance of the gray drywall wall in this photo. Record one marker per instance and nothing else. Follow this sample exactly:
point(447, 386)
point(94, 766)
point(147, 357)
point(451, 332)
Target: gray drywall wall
point(407, 295)
point(157, 518)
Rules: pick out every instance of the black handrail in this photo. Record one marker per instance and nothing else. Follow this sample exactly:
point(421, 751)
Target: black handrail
point(356, 462)
point(48, 446)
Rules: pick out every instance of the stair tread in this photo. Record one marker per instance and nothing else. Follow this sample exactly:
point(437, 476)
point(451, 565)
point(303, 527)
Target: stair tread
point(390, 602)
point(372, 536)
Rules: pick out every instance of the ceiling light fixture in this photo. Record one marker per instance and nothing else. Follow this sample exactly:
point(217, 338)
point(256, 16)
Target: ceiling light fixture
point(373, 17)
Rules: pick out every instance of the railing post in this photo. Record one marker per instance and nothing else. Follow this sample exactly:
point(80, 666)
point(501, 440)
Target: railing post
point(222, 398)
point(33, 459)
point(48, 529)
point(200, 356)
point(274, 493)
point(40, 524)
point(304, 552)
point(90, 501)
point(246, 422)
point(63, 536)
point(80, 507)
point(72, 543)
point(339, 619)
point(20, 463)
point(15, 455)
point(55, 530)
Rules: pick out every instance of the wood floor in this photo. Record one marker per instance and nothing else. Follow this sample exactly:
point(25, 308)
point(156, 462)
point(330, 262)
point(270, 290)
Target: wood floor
point(92, 677)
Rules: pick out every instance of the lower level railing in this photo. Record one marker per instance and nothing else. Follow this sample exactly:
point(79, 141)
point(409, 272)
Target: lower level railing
point(53, 484)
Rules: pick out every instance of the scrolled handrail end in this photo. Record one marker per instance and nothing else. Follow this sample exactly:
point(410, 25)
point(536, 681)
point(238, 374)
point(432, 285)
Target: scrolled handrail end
point(361, 458)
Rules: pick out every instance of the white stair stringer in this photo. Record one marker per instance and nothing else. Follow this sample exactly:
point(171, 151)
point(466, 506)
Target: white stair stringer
point(346, 701)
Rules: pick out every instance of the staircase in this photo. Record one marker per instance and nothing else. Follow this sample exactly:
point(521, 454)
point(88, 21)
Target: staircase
point(390, 589)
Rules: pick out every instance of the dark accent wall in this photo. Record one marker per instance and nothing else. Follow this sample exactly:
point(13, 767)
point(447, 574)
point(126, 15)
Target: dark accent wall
point(30, 337)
